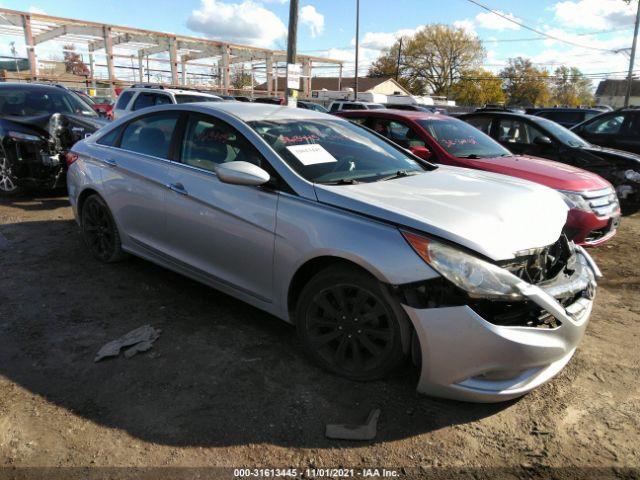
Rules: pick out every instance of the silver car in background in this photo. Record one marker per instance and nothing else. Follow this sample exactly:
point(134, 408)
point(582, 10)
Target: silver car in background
point(374, 254)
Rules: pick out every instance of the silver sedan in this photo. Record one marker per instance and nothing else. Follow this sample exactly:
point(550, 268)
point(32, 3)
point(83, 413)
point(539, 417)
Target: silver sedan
point(374, 254)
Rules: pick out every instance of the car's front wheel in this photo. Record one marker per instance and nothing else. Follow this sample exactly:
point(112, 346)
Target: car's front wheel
point(8, 182)
point(100, 231)
point(350, 326)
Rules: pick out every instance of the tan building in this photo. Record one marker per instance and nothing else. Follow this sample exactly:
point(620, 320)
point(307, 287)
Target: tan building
point(612, 92)
point(382, 85)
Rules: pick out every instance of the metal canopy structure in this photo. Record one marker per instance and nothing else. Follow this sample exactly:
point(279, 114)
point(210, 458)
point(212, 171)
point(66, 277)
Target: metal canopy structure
point(179, 52)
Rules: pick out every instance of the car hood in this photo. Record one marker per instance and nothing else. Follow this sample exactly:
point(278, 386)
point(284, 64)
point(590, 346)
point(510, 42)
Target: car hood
point(41, 123)
point(494, 215)
point(612, 152)
point(552, 174)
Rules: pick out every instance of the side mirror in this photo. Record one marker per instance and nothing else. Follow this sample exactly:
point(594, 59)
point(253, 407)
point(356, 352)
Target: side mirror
point(241, 173)
point(543, 141)
point(422, 152)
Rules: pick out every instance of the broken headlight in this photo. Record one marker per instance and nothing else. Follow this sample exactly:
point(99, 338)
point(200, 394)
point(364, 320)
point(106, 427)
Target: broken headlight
point(480, 279)
point(632, 176)
point(575, 200)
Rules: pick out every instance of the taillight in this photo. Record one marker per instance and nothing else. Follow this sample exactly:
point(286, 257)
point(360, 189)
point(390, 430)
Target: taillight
point(71, 157)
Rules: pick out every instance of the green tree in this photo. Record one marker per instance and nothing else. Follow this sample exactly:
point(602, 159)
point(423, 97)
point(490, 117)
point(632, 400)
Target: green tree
point(431, 59)
point(478, 87)
point(524, 84)
point(571, 87)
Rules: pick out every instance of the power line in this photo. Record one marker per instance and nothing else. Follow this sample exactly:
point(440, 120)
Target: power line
point(552, 37)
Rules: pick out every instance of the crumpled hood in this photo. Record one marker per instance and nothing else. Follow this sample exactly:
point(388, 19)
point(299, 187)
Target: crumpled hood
point(492, 214)
point(613, 152)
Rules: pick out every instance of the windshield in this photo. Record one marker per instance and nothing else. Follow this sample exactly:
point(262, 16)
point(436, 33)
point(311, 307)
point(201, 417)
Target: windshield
point(564, 135)
point(23, 102)
point(335, 151)
point(463, 140)
point(196, 98)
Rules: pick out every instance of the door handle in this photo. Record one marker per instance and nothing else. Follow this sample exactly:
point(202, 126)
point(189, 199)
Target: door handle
point(178, 188)
point(110, 161)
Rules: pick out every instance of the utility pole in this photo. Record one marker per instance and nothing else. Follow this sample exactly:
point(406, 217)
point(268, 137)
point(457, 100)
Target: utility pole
point(355, 87)
point(398, 62)
point(292, 40)
point(633, 56)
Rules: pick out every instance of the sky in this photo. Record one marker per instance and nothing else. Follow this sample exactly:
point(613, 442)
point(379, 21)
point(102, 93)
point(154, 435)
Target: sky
point(595, 29)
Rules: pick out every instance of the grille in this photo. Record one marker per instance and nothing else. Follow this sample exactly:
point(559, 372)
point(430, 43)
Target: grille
point(603, 202)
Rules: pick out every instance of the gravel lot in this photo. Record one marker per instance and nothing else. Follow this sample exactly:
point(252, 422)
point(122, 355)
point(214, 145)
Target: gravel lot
point(228, 386)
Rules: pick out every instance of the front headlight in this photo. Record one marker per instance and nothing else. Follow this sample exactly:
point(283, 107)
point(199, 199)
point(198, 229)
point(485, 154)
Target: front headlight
point(478, 278)
point(24, 137)
point(632, 176)
point(575, 200)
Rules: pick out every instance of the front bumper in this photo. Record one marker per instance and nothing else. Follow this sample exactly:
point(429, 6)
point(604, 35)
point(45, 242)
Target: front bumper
point(589, 230)
point(466, 357)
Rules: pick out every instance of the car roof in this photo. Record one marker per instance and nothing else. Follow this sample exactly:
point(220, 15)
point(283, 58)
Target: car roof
point(250, 112)
point(32, 86)
point(173, 90)
point(567, 109)
point(390, 112)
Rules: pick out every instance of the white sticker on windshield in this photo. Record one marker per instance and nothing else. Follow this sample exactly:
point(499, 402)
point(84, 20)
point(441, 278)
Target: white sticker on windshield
point(311, 154)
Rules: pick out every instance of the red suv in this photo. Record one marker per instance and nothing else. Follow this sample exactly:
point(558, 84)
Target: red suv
point(595, 212)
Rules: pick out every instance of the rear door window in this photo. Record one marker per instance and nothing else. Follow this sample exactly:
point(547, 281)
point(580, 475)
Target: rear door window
point(145, 100)
point(607, 125)
point(123, 100)
point(150, 135)
point(481, 123)
point(517, 131)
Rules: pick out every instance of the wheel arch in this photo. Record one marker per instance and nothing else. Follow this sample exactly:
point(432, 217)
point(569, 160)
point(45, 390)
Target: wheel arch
point(82, 198)
point(312, 266)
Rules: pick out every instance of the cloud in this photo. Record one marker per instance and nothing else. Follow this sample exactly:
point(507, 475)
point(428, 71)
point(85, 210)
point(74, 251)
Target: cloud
point(382, 40)
point(594, 14)
point(33, 9)
point(313, 19)
point(246, 22)
point(491, 21)
point(466, 25)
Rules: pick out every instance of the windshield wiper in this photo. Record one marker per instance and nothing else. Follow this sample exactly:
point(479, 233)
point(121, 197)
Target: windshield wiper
point(471, 156)
point(398, 174)
point(342, 181)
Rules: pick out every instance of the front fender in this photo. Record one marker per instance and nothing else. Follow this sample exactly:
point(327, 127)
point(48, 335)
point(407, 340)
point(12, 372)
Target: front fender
point(307, 230)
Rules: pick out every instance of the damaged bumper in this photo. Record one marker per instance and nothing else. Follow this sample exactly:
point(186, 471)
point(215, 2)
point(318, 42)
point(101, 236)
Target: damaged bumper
point(467, 357)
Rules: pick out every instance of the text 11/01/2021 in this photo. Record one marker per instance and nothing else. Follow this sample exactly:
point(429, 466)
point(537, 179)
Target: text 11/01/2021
point(242, 473)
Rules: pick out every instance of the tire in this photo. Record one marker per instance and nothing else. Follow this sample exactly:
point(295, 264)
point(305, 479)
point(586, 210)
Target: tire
point(350, 326)
point(8, 181)
point(99, 230)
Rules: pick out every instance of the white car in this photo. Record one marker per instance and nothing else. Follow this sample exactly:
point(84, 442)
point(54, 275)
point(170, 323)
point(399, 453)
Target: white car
point(141, 96)
point(340, 105)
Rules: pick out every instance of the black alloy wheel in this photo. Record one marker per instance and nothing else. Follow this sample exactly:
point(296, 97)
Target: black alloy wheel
point(99, 230)
point(349, 326)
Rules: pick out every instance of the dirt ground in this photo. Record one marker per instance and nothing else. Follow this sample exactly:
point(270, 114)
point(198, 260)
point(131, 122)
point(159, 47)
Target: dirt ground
point(228, 386)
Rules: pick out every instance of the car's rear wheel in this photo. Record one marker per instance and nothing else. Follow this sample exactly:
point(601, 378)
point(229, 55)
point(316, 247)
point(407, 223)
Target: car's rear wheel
point(8, 182)
point(100, 231)
point(350, 326)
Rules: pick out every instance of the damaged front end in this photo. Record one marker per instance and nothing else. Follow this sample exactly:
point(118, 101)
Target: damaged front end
point(489, 347)
point(34, 149)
